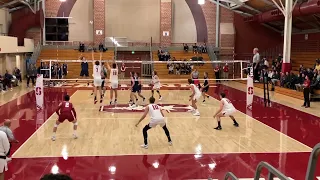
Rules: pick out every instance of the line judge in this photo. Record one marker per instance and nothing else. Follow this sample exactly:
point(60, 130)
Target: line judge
point(4, 149)
point(6, 129)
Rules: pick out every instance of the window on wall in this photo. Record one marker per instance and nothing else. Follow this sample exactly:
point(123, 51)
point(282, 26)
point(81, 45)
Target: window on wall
point(57, 29)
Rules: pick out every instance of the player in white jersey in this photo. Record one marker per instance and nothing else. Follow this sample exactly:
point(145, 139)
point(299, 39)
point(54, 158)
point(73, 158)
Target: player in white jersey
point(114, 81)
point(196, 94)
point(156, 118)
point(97, 81)
point(226, 109)
point(156, 84)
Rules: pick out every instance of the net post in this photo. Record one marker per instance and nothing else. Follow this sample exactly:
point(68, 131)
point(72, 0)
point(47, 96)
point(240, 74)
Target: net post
point(50, 65)
point(241, 71)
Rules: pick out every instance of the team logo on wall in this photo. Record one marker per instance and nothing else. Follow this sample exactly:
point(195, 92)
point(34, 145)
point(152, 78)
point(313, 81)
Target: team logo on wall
point(125, 108)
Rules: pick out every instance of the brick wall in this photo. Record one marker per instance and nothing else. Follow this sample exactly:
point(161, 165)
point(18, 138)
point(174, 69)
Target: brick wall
point(98, 20)
point(165, 22)
point(227, 41)
point(209, 11)
point(52, 8)
point(35, 34)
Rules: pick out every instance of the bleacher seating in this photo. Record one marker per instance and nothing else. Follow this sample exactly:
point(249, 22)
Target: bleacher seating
point(306, 58)
point(67, 54)
point(181, 55)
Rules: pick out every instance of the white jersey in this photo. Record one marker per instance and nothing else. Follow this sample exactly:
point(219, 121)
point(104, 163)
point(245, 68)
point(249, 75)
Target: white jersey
point(113, 75)
point(196, 90)
point(97, 72)
point(155, 80)
point(155, 112)
point(227, 105)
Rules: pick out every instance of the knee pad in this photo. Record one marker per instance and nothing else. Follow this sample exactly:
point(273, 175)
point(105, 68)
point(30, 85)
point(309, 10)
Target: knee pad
point(56, 125)
point(76, 123)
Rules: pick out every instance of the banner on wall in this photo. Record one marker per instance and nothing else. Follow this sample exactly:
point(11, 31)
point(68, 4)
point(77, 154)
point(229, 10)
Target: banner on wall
point(39, 92)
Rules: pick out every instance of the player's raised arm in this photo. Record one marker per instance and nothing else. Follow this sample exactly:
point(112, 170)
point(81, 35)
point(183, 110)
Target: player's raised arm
point(92, 56)
point(219, 110)
point(143, 116)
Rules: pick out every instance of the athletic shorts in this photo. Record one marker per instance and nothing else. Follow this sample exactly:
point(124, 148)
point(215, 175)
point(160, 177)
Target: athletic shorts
point(102, 83)
point(135, 89)
point(3, 165)
point(228, 112)
point(154, 123)
point(205, 89)
point(64, 117)
point(114, 85)
point(196, 96)
point(156, 86)
point(97, 82)
point(84, 73)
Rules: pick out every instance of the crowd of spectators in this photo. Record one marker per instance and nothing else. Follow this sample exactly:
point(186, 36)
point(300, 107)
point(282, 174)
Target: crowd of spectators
point(196, 49)
point(9, 80)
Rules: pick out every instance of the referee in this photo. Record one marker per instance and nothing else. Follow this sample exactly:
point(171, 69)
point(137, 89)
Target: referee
point(256, 60)
point(4, 148)
point(6, 129)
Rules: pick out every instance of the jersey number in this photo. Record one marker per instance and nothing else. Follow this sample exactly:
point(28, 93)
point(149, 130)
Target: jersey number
point(114, 73)
point(66, 105)
point(155, 107)
point(228, 101)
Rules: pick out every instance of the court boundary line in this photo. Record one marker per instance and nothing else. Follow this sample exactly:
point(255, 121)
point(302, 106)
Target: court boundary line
point(266, 125)
point(35, 132)
point(156, 154)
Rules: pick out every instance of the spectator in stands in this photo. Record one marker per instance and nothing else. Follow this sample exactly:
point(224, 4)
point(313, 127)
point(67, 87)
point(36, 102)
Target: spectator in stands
point(265, 63)
point(317, 65)
point(177, 69)
point(309, 73)
point(81, 47)
point(204, 48)
point(185, 47)
point(316, 83)
point(275, 78)
point(292, 81)
point(225, 74)
point(283, 78)
point(7, 79)
point(217, 73)
point(1, 84)
point(301, 69)
point(299, 84)
point(101, 48)
point(256, 61)
point(195, 48)
point(56, 177)
point(17, 73)
point(306, 92)
point(123, 71)
point(171, 69)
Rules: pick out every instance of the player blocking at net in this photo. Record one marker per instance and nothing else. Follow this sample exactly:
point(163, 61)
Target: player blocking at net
point(156, 84)
point(156, 118)
point(66, 111)
point(226, 109)
point(97, 78)
point(114, 81)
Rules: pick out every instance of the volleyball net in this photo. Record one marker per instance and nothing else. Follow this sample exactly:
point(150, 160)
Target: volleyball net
point(168, 71)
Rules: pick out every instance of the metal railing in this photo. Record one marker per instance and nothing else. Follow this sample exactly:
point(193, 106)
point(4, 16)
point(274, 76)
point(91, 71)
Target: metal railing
point(272, 172)
point(230, 175)
point(312, 164)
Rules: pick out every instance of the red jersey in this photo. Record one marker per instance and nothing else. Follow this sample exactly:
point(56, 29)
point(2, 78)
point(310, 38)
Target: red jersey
point(66, 108)
point(306, 83)
point(216, 69)
point(225, 68)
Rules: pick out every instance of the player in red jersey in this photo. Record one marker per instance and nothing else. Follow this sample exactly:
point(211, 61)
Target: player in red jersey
point(66, 111)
